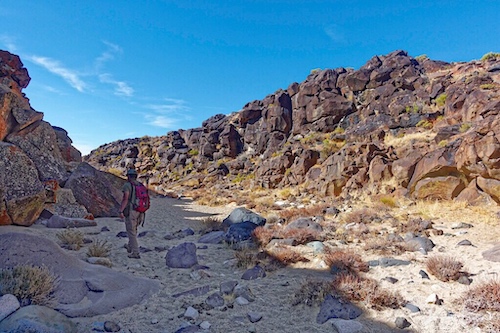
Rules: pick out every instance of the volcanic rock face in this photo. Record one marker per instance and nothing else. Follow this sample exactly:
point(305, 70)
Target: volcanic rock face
point(426, 128)
point(36, 159)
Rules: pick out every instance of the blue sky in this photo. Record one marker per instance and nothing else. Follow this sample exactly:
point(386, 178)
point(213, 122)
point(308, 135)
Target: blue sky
point(109, 70)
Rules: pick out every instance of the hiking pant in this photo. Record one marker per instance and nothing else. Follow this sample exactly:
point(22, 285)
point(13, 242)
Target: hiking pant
point(132, 221)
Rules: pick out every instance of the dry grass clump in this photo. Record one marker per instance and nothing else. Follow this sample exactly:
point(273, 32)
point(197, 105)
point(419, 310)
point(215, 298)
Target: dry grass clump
point(294, 213)
point(99, 248)
point(30, 284)
point(300, 235)
point(312, 293)
point(263, 235)
point(484, 296)
point(416, 226)
point(445, 268)
point(71, 239)
point(246, 258)
point(286, 255)
point(341, 261)
point(211, 224)
point(361, 216)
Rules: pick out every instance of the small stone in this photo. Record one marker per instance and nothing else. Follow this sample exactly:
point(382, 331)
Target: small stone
point(390, 279)
point(191, 313)
point(423, 274)
point(154, 321)
point(412, 308)
point(464, 280)
point(111, 326)
point(402, 323)
point(254, 316)
point(464, 242)
point(347, 326)
point(205, 325)
point(462, 225)
point(241, 300)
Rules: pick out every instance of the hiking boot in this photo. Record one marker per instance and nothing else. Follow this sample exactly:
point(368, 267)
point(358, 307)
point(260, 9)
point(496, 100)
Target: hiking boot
point(134, 256)
point(127, 247)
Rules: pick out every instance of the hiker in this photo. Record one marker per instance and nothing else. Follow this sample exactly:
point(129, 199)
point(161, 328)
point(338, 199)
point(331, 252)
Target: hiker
point(132, 217)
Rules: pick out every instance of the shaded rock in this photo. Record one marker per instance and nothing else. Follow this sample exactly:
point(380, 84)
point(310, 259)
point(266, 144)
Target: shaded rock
point(191, 313)
point(182, 256)
point(22, 195)
point(464, 280)
point(193, 292)
point(424, 274)
point(240, 215)
point(388, 262)
point(254, 316)
point(333, 307)
point(420, 242)
point(227, 287)
point(122, 234)
point(390, 279)
point(347, 326)
point(492, 254)
point(240, 300)
point(304, 223)
point(214, 237)
point(240, 232)
point(254, 273)
point(215, 300)
point(98, 191)
point(84, 290)
point(464, 242)
point(412, 308)
point(8, 304)
point(35, 318)
point(111, 326)
point(402, 323)
point(57, 221)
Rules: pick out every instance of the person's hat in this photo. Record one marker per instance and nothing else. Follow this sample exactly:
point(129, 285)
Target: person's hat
point(131, 172)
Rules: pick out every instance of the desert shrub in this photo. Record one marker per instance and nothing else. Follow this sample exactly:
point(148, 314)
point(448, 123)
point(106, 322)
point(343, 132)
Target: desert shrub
point(382, 298)
point(295, 213)
point(300, 235)
point(424, 123)
point(345, 261)
point(30, 284)
point(286, 256)
point(445, 268)
point(464, 127)
point(262, 235)
point(359, 216)
point(246, 258)
point(441, 99)
point(442, 143)
point(99, 248)
point(211, 224)
point(193, 152)
point(71, 239)
point(484, 296)
point(312, 293)
point(487, 86)
point(388, 201)
point(490, 56)
point(422, 58)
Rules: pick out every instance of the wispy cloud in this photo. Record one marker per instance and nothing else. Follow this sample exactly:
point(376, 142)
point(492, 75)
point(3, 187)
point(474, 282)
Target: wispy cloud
point(107, 55)
point(167, 114)
point(121, 88)
point(9, 43)
point(334, 33)
point(55, 67)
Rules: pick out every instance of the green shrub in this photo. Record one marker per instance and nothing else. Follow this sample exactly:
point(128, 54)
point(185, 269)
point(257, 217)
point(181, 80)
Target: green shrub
point(30, 284)
point(441, 100)
point(490, 56)
point(422, 58)
point(193, 152)
point(464, 127)
point(424, 124)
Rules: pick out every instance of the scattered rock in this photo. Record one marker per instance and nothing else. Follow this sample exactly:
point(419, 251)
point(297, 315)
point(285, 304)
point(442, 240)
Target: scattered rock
point(254, 273)
point(461, 225)
point(412, 308)
point(193, 292)
point(182, 256)
point(333, 307)
point(390, 279)
point(227, 287)
point(8, 304)
point(241, 300)
point(348, 326)
point(215, 300)
point(433, 299)
point(254, 316)
point(191, 313)
point(57, 221)
point(464, 242)
point(424, 274)
point(35, 318)
point(402, 323)
point(111, 326)
point(464, 280)
point(492, 254)
point(214, 237)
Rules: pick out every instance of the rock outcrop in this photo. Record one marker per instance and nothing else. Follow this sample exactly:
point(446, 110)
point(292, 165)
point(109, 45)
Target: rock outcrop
point(37, 161)
point(428, 129)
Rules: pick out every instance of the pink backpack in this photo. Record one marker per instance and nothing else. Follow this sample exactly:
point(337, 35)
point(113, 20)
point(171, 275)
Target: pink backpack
point(140, 197)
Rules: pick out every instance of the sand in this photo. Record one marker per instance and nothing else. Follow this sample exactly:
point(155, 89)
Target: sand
point(274, 293)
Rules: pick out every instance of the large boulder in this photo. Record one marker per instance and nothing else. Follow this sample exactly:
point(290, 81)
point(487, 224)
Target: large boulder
point(22, 195)
point(84, 290)
point(98, 191)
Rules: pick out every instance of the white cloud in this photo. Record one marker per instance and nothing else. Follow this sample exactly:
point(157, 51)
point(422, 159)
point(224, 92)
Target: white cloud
point(121, 88)
point(53, 66)
point(9, 43)
point(171, 105)
point(161, 121)
point(334, 33)
point(107, 55)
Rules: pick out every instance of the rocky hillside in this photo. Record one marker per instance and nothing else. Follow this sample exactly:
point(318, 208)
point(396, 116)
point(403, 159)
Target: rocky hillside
point(407, 126)
point(41, 173)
